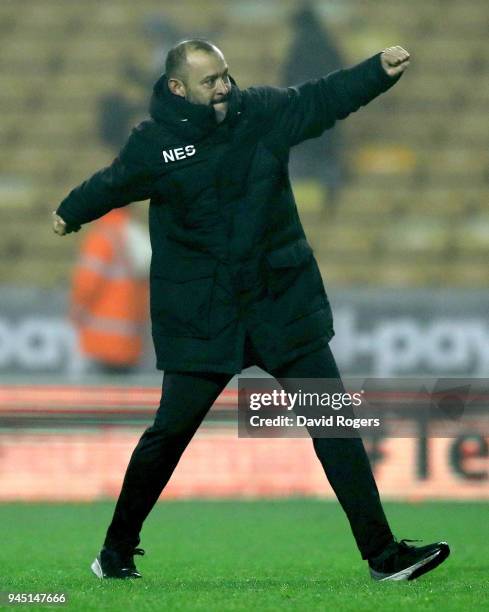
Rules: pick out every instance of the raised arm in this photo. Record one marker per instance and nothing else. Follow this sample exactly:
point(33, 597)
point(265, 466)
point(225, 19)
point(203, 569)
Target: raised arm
point(129, 178)
point(307, 110)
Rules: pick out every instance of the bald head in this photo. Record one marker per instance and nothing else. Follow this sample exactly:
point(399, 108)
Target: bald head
point(179, 57)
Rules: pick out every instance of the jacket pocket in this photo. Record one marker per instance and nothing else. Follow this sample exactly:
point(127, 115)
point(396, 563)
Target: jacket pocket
point(181, 296)
point(286, 264)
point(295, 284)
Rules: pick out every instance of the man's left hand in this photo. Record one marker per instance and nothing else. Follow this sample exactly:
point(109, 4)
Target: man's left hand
point(395, 60)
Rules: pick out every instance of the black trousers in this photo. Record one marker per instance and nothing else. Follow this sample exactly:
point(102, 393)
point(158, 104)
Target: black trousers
point(186, 400)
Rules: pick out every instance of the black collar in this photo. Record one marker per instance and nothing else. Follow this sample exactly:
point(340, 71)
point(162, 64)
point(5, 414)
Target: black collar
point(187, 119)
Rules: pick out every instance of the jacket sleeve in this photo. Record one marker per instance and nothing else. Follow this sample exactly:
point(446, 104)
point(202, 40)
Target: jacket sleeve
point(307, 110)
point(129, 178)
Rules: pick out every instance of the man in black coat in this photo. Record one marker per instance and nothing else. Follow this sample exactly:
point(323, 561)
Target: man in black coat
point(233, 278)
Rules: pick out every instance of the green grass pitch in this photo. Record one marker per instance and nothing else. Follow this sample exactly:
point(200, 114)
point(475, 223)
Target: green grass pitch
point(226, 555)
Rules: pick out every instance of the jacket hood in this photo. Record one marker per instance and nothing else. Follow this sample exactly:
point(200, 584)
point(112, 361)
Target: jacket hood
point(189, 119)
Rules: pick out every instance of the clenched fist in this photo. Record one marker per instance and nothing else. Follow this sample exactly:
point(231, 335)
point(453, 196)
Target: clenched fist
point(394, 60)
point(60, 227)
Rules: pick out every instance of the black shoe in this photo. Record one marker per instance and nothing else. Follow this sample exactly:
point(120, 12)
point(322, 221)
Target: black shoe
point(111, 563)
point(400, 561)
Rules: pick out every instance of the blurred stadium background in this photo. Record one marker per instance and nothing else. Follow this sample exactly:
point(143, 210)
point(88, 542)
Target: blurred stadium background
point(404, 254)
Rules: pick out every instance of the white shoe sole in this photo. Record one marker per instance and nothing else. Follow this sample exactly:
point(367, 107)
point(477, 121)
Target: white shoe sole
point(417, 569)
point(97, 569)
point(408, 571)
